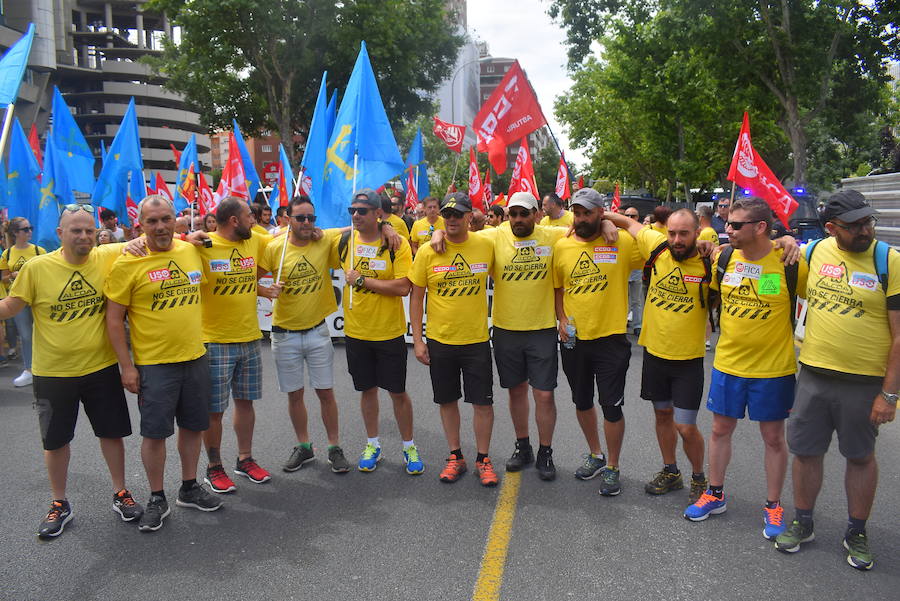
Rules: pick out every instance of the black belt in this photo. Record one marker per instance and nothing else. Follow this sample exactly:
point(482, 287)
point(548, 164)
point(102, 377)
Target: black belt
point(280, 330)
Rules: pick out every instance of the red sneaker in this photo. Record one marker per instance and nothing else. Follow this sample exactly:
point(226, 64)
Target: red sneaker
point(455, 468)
point(218, 480)
point(486, 472)
point(248, 467)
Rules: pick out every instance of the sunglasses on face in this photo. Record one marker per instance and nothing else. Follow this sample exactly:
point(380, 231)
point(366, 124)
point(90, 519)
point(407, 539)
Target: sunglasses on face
point(25, 229)
point(302, 218)
point(857, 226)
point(451, 214)
point(736, 225)
point(518, 214)
point(75, 207)
point(361, 210)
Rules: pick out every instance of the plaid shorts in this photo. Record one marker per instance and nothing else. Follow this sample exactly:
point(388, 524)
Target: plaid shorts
point(234, 367)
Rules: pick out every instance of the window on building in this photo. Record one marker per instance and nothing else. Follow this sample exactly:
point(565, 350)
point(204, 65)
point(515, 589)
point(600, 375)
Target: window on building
point(266, 148)
point(489, 68)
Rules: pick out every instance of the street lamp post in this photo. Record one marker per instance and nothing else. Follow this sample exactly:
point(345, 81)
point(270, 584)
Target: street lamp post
point(453, 85)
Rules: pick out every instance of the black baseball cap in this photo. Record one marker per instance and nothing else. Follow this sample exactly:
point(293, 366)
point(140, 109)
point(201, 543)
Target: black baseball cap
point(848, 206)
point(458, 201)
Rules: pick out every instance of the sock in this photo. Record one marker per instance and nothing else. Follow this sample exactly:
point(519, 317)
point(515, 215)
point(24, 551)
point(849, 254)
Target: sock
point(771, 504)
point(186, 484)
point(856, 526)
point(331, 446)
point(612, 467)
point(599, 455)
point(408, 443)
point(544, 449)
point(374, 442)
point(671, 468)
point(158, 493)
point(524, 443)
point(804, 516)
point(456, 453)
point(307, 445)
point(481, 457)
point(717, 491)
point(698, 476)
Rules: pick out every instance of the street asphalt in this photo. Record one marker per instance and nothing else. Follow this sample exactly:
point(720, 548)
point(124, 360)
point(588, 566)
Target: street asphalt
point(385, 535)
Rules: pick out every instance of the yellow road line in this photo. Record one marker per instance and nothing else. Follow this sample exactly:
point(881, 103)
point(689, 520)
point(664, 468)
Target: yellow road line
point(487, 588)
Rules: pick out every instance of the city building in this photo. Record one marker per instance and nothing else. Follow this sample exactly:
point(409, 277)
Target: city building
point(458, 97)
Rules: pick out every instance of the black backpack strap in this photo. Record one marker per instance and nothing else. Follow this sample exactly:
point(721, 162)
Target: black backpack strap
point(649, 267)
point(342, 246)
point(790, 278)
point(722, 263)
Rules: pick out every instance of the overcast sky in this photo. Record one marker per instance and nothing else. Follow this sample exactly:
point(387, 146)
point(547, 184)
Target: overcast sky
point(522, 29)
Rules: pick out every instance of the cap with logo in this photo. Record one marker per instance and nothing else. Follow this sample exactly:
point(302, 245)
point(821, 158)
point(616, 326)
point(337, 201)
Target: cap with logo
point(458, 201)
point(523, 199)
point(848, 206)
point(588, 198)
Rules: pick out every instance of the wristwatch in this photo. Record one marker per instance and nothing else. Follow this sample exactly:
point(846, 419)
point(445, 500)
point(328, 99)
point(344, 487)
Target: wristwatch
point(890, 398)
point(360, 281)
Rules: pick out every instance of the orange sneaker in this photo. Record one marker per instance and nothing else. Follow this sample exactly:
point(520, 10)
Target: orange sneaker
point(486, 472)
point(455, 468)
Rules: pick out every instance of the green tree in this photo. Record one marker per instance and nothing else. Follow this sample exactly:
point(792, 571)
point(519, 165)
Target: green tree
point(261, 61)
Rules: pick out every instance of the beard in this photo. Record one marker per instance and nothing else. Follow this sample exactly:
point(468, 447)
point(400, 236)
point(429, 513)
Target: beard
point(243, 233)
point(587, 229)
point(522, 230)
point(680, 254)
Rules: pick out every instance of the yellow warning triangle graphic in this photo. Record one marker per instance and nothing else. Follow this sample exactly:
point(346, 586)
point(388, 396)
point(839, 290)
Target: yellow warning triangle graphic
point(839, 285)
point(362, 266)
point(176, 277)
point(77, 287)
point(460, 269)
point(18, 265)
point(673, 282)
point(525, 255)
point(745, 291)
point(237, 262)
point(584, 266)
point(302, 269)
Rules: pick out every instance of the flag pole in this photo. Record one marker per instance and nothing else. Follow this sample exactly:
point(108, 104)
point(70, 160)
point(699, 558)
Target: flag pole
point(7, 125)
point(453, 181)
point(287, 235)
point(352, 229)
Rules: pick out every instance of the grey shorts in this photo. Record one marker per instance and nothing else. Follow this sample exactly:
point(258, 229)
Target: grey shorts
point(825, 404)
point(172, 392)
point(526, 355)
point(293, 349)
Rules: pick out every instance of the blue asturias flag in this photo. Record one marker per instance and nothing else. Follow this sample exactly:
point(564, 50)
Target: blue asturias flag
point(250, 173)
point(331, 113)
point(12, 67)
point(361, 132)
point(123, 156)
point(56, 190)
point(22, 186)
point(416, 158)
point(313, 162)
point(188, 158)
point(79, 160)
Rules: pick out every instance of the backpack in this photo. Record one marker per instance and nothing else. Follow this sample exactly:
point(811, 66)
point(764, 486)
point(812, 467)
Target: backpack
point(790, 277)
point(37, 251)
point(706, 300)
point(880, 254)
point(345, 242)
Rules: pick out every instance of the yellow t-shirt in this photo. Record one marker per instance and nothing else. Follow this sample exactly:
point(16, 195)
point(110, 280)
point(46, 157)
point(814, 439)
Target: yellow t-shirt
point(266, 235)
point(399, 226)
point(69, 312)
point(674, 318)
point(375, 316)
point(162, 294)
point(710, 235)
point(523, 287)
point(456, 281)
point(594, 277)
point(565, 220)
point(757, 339)
point(422, 230)
point(307, 297)
point(846, 321)
point(13, 258)
point(659, 228)
point(229, 292)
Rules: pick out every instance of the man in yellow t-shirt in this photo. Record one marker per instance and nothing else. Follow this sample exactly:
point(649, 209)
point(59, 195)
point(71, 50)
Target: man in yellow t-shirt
point(305, 297)
point(850, 373)
point(231, 333)
point(456, 282)
point(423, 228)
point(673, 340)
point(755, 363)
point(555, 212)
point(635, 282)
point(374, 327)
point(160, 294)
point(73, 361)
point(704, 213)
point(590, 277)
point(391, 208)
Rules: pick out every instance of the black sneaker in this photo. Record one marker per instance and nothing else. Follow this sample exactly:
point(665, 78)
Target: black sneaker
point(544, 465)
point(609, 479)
point(664, 482)
point(197, 497)
point(125, 505)
point(59, 515)
point(152, 519)
point(339, 463)
point(299, 456)
point(523, 456)
point(592, 466)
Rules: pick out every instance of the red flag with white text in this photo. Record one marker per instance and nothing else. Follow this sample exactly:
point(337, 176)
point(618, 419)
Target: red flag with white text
point(412, 195)
point(523, 173)
point(232, 182)
point(617, 200)
point(487, 192)
point(451, 134)
point(563, 189)
point(206, 204)
point(161, 187)
point(476, 194)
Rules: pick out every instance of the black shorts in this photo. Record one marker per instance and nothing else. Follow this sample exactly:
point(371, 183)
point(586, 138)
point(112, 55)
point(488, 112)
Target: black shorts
point(604, 361)
point(679, 381)
point(472, 361)
point(526, 355)
point(56, 401)
point(380, 363)
point(171, 391)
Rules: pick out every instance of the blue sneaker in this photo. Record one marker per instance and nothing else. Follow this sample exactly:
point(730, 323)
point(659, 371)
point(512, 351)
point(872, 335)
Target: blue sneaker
point(773, 517)
point(369, 459)
point(414, 465)
point(707, 504)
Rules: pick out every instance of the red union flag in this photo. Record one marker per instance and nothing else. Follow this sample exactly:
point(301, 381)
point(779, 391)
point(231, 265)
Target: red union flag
point(511, 113)
point(523, 173)
point(562, 179)
point(161, 188)
point(487, 193)
point(617, 200)
point(476, 195)
point(233, 182)
point(132, 209)
point(452, 135)
point(206, 203)
point(749, 170)
point(412, 195)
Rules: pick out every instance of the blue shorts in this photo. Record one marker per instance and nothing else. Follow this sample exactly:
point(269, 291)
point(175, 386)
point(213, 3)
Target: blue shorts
point(765, 399)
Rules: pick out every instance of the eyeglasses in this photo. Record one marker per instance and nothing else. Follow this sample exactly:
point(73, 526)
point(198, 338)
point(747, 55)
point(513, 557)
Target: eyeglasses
point(724, 206)
point(361, 210)
point(25, 229)
point(857, 226)
point(302, 218)
point(518, 214)
point(76, 206)
point(736, 225)
point(451, 214)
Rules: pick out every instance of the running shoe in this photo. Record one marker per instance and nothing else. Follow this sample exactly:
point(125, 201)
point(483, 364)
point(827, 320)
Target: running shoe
point(544, 464)
point(197, 497)
point(414, 465)
point(698, 487)
point(125, 505)
point(523, 456)
point(218, 480)
point(248, 467)
point(707, 504)
point(369, 458)
point(299, 455)
point(455, 468)
point(858, 554)
point(664, 482)
point(59, 515)
point(24, 379)
point(339, 463)
point(486, 472)
point(157, 509)
point(609, 479)
point(592, 466)
point(773, 518)
point(796, 534)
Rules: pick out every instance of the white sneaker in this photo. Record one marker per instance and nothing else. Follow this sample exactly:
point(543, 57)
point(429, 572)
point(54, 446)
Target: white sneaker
point(24, 379)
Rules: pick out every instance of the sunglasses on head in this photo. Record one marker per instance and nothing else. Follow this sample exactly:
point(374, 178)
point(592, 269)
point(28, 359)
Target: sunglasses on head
point(361, 210)
point(736, 225)
point(75, 207)
point(302, 218)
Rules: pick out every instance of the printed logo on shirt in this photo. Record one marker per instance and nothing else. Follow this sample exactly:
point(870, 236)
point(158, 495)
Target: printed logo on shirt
point(459, 278)
point(832, 271)
point(219, 265)
point(748, 270)
point(18, 264)
point(302, 279)
point(364, 250)
point(836, 281)
point(77, 287)
point(170, 277)
point(77, 299)
point(584, 267)
point(177, 287)
point(240, 263)
point(673, 282)
point(364, 267)
point(459, 268)
point(670, 292)
point(526, 254)
point(865, 281)
point(527, 263)
point(586, 277)
point(743, 302)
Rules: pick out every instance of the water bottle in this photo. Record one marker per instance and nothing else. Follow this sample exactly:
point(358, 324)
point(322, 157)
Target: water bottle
point(570, 332)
